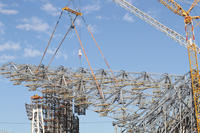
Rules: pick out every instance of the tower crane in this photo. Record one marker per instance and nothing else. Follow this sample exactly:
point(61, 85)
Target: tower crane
point(192, 50)
point(189, 42)
point(145, 103)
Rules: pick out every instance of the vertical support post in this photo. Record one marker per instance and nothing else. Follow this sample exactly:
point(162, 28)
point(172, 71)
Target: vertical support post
point(194, 71)
point(37, 120)
point(165, 113)
point(180, 111)
point(115, 128)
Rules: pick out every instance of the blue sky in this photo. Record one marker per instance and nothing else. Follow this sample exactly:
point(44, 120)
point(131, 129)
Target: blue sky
point(127, 42)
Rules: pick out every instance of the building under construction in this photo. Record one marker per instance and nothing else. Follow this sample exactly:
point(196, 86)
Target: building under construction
point(138, 102)
point(51, 114)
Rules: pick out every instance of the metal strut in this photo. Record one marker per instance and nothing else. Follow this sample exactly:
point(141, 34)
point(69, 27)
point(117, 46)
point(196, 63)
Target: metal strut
point(49, 41)
point(69, 29)
point(74, 27)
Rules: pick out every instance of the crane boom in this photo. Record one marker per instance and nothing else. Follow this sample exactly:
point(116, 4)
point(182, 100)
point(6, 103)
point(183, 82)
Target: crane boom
point(173, 6)
point(144, 16)
point(193, 5)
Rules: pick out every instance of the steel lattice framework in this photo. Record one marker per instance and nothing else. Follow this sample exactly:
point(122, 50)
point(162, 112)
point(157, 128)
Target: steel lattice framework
point(138, 102)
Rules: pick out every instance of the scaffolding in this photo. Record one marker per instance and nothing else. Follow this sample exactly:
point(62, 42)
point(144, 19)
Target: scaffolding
point(140, 102)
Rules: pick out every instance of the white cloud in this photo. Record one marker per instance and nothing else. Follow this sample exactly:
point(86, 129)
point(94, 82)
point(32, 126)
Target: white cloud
point(10, 46)
point(128, 18)
point(34, 23)
point(51, 51)
point(49, 8)
point(62, 55)
point(2, 5)
point(32, 53)
point(153, 13)
point(93, 28)
point(102, 18)
point(5, 11)
point(1, 28)
point(8, 12)
point(99, 17)
point(29, 52)
point(78, 22)
point(1, 24)
point(65, 56)
point(15, 4)
point(58, 55)
point(91, 8)
point(6, 58)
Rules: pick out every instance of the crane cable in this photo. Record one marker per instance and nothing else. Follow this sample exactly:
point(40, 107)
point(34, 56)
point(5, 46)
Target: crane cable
point(105, 60)
point(71, 26)
point(98, 87)
point(49, 42)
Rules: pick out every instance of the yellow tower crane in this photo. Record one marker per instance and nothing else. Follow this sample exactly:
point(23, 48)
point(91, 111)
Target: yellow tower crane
point(192, 50)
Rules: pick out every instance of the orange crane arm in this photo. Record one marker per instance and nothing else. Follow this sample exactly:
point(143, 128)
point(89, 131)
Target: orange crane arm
point(173, 6)
point(72, 11)
point(195, 17)
point(193, 5)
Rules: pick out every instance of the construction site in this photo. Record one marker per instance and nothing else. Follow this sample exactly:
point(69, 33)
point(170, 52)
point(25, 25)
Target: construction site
point(136, 102)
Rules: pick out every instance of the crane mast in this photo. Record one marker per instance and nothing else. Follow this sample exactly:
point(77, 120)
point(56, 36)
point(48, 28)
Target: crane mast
point(194, 71)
